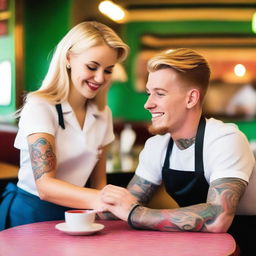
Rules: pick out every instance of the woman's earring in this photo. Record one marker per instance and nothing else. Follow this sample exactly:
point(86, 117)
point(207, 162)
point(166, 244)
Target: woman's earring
point(68, 66)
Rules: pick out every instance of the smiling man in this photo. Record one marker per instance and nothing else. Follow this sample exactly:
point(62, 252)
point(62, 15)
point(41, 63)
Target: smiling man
point(205, 165)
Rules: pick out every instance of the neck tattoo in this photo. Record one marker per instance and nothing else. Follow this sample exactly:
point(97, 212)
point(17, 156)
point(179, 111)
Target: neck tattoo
point(185, 143)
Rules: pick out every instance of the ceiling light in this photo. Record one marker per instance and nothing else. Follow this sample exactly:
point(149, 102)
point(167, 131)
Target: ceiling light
point(112, 10)
point(239, 70)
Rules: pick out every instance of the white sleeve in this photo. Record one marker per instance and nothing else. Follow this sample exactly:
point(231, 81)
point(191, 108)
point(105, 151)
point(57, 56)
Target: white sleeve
point(150, 161)
point(38, 116)
point(230, 156)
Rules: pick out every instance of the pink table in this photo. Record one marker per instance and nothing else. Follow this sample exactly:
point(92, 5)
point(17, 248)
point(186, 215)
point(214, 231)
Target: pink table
point(117, 238)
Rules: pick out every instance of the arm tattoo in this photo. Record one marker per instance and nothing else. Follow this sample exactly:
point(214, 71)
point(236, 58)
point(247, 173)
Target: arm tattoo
point(185, 143)
point(226, 192)
point(223, 197)
point(43, 159)
point(141, 189)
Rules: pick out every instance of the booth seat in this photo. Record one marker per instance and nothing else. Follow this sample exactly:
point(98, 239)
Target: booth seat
point(8, 154)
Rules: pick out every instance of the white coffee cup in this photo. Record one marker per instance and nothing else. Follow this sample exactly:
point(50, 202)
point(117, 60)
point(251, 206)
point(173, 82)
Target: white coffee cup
point(79, 219)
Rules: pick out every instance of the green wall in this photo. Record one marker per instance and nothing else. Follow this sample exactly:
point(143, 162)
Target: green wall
point(248, 128)
point(46, 22)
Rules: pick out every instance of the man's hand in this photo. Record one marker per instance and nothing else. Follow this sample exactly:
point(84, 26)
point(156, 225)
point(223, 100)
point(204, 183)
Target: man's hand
point(118, 200)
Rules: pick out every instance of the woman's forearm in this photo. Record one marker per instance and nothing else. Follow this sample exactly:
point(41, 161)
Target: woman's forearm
point(66, 194)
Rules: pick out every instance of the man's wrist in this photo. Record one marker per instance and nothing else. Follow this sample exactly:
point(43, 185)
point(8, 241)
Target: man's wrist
point(129, 219)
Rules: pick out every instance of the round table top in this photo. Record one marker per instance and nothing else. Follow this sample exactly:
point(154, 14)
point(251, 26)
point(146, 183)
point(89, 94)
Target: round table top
point(117, 238)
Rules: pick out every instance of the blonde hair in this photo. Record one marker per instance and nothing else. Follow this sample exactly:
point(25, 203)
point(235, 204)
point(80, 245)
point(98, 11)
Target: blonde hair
point(192, 68)
point(55, 86)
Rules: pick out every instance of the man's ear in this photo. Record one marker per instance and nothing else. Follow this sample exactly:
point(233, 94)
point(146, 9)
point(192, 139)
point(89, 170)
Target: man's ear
point(193, 97)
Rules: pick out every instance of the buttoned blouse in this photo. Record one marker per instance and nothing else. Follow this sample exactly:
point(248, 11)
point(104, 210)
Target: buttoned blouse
point(76, 147)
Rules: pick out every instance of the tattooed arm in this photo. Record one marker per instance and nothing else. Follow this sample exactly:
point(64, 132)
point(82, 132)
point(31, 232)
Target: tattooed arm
point(142, 189)
point(43, 161)
point(119, 200)
point(215, 215)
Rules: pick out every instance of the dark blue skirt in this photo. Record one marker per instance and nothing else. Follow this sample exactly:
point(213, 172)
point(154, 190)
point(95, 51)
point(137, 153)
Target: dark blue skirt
point(19, 207)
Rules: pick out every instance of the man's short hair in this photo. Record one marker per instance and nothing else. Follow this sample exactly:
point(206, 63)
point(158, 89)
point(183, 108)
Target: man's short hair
point(192, 68)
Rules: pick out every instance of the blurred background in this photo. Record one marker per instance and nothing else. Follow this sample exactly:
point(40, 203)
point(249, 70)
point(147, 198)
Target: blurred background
point(221, 30)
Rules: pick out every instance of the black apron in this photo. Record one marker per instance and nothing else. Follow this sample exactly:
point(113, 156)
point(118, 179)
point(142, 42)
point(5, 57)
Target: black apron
point(187, 187)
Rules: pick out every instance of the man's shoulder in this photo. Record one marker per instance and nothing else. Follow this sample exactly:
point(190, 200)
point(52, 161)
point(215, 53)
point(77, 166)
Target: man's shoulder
point(214, 125)
point(216, 129)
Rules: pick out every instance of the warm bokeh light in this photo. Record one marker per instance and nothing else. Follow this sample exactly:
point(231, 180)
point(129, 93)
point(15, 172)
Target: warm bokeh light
point(112, 10)
point(254, 22)
point(239, 70)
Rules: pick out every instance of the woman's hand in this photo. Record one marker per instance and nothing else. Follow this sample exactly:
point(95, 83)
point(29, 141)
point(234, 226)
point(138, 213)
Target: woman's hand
point(117, 200)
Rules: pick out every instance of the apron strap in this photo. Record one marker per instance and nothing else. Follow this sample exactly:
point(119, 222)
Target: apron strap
point(60, 115)
point(168, 153)
point(199, 164)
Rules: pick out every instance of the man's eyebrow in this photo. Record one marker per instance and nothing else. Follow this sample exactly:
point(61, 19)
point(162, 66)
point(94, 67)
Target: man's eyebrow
point(156, 89)
point(159, 89)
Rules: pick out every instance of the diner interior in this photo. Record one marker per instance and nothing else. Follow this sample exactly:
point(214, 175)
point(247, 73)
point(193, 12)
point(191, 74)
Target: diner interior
point(221, 30)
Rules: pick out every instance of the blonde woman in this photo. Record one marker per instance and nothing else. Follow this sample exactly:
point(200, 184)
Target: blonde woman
point(64, 129)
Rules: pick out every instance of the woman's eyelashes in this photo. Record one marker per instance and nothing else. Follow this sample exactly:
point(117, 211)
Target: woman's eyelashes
point(91, 68)
point(107, 71)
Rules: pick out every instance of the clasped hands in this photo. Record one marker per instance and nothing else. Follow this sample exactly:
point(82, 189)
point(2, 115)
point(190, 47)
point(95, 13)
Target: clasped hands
point(117, 200)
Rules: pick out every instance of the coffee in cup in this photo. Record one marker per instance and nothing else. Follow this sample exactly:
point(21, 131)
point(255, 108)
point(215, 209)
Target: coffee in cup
point(79, 219)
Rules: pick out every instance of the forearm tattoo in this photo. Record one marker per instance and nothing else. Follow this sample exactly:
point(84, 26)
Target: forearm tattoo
point(223, 197)
point(141, 189)
point(227, 192)
point(43, 159)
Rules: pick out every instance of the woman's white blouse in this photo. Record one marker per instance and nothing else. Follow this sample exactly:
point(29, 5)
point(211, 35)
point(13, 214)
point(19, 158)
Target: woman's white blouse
point(76, 147)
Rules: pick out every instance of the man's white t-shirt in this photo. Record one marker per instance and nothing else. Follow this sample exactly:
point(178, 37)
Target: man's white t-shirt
point(226, 153)
point(76, 147)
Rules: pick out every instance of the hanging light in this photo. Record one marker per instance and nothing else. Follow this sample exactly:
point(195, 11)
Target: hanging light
point(239, 70)
point(112, 10)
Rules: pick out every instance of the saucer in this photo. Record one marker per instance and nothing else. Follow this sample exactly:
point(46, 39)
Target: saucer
point(95, 227)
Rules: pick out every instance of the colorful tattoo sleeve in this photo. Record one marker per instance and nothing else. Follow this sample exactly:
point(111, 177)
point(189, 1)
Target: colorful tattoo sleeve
point(43, 159)
point(223, 197)
point(141, 189)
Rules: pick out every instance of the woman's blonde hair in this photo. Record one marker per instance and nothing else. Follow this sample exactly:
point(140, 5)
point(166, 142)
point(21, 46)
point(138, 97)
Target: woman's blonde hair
point(191, 67)
point(56, 84)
